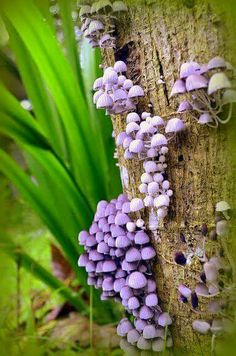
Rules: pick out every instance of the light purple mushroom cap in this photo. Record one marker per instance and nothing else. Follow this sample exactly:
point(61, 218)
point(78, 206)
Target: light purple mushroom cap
point(117, 230)
point(133, 336)
point(201, 326)
point(90, 267)
point(119, 95)
point(110, 209)
point(131, 127)
point(109, 266)
point(99, 267)
point(91, 241)
point(111, 219)
point(174, 125)
point(178, 88)
point(119, 252)
point(189, 68)
point(99, 236)
point(148, 253)
point(104, 102)
point(211, 271)
point(110, 77)
point(205, 118)
point(141, 238)
point(136, 204)
point(122, 219)
point(133, 303)
point(201, 289)
point(126, 292)
point(140, 324)
point(149, 332)
point(120, 67)
point(94, 255)
point(216, 62)
point(129, 266)
point(127, 84)
point(158, 345)
point(111, 241)
point(128, 154)
point(132, 117)
point(135, 91)
point(97, 95)
point(120, 138)
point(124, 327)
point(82, 237)
point(185, 291)
point(195, 82)
point(144, 344)
point(83, 260)
point(145, 313)
point(126, 207)
point(158, 140)
point(136, 146)
point(164, 319)
point(151, 300)
point(120, 273)
point(122, 242)
point(184, 106)
point(137, 280)
point(132, 255)
point(119, 284)
point(107, 284)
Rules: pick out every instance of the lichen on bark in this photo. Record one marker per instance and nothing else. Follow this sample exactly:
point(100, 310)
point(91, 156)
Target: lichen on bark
point(154, 39)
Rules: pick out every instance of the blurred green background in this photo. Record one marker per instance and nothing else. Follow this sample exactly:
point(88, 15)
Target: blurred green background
point(56, 164)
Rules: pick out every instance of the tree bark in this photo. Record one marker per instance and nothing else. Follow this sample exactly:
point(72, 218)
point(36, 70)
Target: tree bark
point(154, 40)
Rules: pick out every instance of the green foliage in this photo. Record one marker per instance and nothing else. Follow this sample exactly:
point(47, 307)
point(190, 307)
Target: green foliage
point(66, 143)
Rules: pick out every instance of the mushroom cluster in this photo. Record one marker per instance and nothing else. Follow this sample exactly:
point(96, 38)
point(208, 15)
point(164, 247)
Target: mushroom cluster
point(98, 22)
point(146, 138)
point(114, 92)
point(118, 259)
point(207, 88)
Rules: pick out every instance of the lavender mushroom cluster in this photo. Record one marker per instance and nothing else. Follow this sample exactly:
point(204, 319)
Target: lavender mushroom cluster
point(207, 90)
point(146, 138)
point(98, 22)
point(118, 259)
point(114, 92)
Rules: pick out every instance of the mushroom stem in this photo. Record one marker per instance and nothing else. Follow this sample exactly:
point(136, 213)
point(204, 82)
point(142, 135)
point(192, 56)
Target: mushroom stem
point(229, 115)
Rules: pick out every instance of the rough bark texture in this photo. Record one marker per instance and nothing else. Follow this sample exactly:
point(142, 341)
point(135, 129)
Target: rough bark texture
point(154, 40)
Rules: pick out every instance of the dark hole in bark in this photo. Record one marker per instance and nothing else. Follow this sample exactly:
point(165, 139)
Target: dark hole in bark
point(180, 158)
point(129, 54)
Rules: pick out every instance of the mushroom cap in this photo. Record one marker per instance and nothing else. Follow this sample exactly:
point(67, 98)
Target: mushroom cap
point(84, 10)
point(158, 345)
point(222, 206)
point(107, 284)
point(150, 166)
point(148, 201)
point(126, 208)
point(94, 255)
point(110, 77)
point(153, 188)
point(103, 5)
point(135, 91)
point(201, 289)
point(83, 260)
point(133, 303)
point(201, 326)
point(184, 106)
point(122, 219)
point(149, 332)
point(217, 82)
point(164, 319)
point(93, 228)
point(210, 271)
point(119, 95)
point(119, 284)
point(90, 266)
point(161, 200)
point(91, 241)
point(95, 26)
point(127, 142)
point(229, 96)
point(144, 344)
point(146, 178)
point(189, 68)
point(156, 121)
point(133, 336)
point(120, 273)
point(145, 313)
point(117, 230)
point(141, 238)
point(137, 280)
point(216, 62)
point(158, 140)
point(132, 117)
point(152, 152)
point(109, 266)
point(97, 95)
point(122, 241)
point(131, 226)
point(185, 291)
point(103, 247)
point(174, 125)
point(82, 237)
point(147, 128)
point(120, 66)
point(124, 327)
point(133, 255)
point(127, 84)
point(136, 146)
point(178, 88)
point(148, 253)
point(131, 127)
point(222, 228)
point(158, 177)
point(217, 326)
point(99, 268)
point(151, 300)
point(195, 82)
point(126, 292)
point(136, 204)
point(128, 266)
point(140, 324)
point(104, 102)
point(205, 118)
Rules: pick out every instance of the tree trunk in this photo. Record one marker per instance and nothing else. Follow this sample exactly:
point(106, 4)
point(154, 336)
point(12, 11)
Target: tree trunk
point(154, 40)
